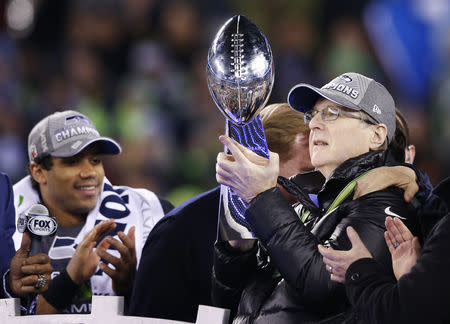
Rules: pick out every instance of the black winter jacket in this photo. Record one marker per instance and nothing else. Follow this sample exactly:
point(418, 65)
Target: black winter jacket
point(294, 287)
point(421, 296)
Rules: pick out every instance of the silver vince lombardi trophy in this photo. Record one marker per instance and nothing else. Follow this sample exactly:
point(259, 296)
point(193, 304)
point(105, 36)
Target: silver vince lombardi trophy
point(240, 78)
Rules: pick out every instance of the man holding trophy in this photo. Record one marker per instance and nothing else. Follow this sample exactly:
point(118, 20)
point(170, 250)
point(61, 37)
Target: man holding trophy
point(240, 78)
point(282, 278)
point(174, 274)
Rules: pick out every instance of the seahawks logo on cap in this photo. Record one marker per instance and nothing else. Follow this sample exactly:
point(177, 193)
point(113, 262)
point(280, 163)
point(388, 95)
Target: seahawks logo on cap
point(346, 78)
point(77, 119)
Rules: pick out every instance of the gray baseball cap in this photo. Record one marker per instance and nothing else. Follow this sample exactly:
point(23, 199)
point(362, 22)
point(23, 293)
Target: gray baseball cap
point(353, 91)
point(65, 134)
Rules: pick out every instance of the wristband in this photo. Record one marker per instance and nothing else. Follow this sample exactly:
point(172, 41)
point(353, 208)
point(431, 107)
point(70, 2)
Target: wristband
point(61, 291)
point(7, 291)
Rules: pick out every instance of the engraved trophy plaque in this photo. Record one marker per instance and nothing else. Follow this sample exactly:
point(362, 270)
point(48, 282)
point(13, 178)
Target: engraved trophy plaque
point(240, 78)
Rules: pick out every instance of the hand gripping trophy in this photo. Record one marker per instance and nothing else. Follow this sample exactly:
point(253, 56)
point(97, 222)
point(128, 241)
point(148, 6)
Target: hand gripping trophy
point(240, 78)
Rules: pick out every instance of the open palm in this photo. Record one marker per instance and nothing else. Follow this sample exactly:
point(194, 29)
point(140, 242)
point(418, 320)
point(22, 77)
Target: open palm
point(85, 261)
point(404, 247)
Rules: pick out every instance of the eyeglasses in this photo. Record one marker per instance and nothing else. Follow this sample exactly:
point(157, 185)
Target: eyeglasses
point(331, 113)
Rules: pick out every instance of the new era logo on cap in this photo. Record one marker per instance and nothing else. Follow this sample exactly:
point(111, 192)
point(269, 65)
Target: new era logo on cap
point(65, 134)
point(376, 110)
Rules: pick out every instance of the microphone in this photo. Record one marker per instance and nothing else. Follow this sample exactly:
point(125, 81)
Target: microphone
point(38, 222)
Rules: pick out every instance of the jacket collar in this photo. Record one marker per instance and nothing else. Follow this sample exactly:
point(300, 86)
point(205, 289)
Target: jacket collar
point(349, 170)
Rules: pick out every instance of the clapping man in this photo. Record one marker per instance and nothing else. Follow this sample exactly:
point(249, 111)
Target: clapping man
point(67, 176)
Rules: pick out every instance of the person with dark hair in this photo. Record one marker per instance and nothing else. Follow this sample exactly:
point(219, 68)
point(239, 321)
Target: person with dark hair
point(404, 177)
point(351, 121)
point(401, 147)
point(67, 177)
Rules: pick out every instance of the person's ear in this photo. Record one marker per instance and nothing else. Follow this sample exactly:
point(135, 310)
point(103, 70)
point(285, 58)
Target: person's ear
point(37, 173)
point(378, 136)
point(410, 154)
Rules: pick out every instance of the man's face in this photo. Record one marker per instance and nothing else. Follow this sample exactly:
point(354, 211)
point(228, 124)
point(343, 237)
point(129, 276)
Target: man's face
point(333, 142)
point(73, 184)
point(305, 164)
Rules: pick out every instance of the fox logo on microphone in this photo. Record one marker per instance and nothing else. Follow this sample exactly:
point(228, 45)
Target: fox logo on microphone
point(42, 225)
point(38, 221)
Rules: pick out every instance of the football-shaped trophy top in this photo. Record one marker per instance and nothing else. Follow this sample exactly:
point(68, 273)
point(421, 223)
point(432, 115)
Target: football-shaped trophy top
point(240, 70)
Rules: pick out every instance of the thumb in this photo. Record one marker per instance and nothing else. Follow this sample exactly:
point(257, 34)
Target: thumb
point(104, 244)
point(416, 243)
point(356, 192)
point(233, 146)
point(410, 191)
point(354, 237)
point(131, 232)
point(25, 244)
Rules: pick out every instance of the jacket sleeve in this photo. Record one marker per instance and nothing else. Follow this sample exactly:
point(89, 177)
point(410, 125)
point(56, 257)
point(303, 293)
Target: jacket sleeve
point(293, 249)
point(159, 271)
point(7, 223)
point(174, 274)
point(231, 270)
point(442, 190)
point(420, 296)
point(425, 193)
